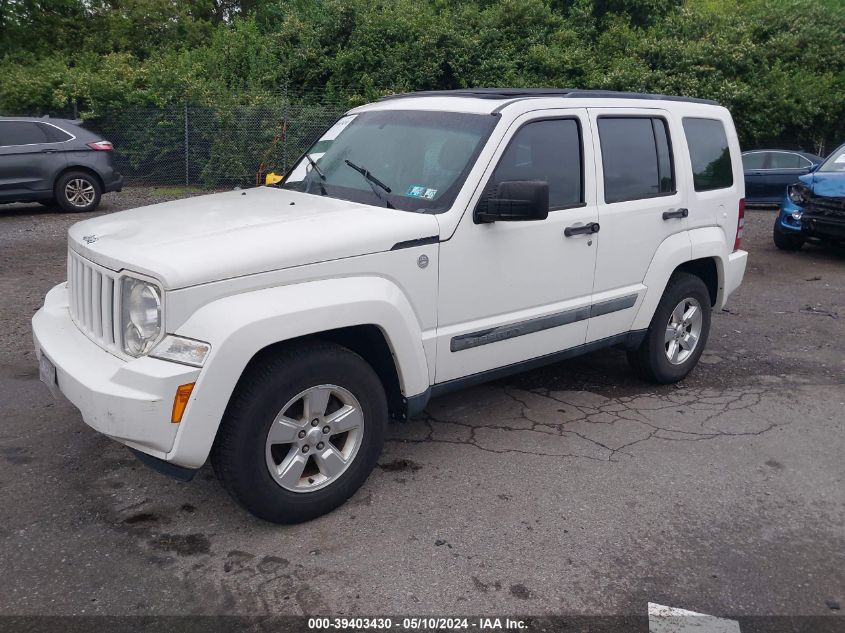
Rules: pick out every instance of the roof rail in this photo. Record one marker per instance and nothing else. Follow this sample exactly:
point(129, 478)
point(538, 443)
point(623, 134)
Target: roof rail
point(526, 93)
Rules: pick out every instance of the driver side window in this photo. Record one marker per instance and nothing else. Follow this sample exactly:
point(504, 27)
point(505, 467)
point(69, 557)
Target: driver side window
point(549, 151)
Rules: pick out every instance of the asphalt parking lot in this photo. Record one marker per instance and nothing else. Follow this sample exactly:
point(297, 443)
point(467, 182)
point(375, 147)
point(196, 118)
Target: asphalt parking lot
point(574, 489)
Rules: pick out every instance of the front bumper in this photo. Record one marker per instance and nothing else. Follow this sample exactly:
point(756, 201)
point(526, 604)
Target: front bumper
point(785, 222)
point(823, 227)
point(130, 401)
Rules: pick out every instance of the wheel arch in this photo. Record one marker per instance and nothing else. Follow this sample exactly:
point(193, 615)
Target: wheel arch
point(368, 315)
point(83, 168)
point(366, 340)
point(707, 270)
point(702, 252)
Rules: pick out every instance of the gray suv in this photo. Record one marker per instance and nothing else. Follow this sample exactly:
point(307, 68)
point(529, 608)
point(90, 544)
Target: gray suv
point(54, 161)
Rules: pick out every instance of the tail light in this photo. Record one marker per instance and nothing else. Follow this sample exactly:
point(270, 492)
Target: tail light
point(103, 146)
point(740, 224)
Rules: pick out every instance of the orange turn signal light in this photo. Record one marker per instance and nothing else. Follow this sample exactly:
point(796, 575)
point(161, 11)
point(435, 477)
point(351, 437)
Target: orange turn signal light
point(183, 394)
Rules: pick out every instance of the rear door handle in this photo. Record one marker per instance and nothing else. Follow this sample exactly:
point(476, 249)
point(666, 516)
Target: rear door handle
point(589, 228)
point(677, 213)
point(49, 151)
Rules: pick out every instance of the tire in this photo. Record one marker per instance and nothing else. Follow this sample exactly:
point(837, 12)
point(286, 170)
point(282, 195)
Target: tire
point(77, 192)
point(243, 450)
point(784, 241)
point(651, 359)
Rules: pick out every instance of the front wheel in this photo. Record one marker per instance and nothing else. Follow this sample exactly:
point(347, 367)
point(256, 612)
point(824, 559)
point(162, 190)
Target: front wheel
point(302, 432)
point(678, 331)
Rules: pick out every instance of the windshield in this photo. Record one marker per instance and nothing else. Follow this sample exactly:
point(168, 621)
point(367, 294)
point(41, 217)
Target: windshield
point(409, 160)
point(835, 162)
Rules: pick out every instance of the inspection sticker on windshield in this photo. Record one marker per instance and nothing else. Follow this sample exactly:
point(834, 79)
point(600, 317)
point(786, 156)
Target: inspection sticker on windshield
point(338, 127)
point(419, 191)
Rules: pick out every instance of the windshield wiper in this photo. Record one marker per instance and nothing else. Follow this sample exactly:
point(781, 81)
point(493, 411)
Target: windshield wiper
point(320, 173)
point(373, 182)
point(314, 166)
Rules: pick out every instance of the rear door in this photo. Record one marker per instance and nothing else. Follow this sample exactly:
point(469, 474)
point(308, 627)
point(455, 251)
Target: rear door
point(641, 204)
point(29, 158)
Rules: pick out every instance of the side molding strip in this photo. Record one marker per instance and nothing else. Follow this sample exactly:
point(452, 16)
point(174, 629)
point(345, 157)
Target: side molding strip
point(613, 305)
point(628, 341)
point(530, 326)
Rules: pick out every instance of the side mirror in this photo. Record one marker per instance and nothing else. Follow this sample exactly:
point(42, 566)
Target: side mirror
point(515, 201)
point(813, 167)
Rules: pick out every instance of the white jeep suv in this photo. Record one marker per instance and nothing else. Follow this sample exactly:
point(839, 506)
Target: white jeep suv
point(434, 241)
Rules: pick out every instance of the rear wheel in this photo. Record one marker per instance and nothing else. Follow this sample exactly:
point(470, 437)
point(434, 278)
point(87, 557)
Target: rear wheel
point(786, 241)
point(77, 192)
point(302, 432)
point(678, 331)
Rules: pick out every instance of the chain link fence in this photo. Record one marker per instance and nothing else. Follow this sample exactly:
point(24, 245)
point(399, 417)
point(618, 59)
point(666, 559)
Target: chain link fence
point(213, 147)
point(217, 147)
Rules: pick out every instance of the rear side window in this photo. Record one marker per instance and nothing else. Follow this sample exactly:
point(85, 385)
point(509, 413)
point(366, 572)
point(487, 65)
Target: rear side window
point(788, 160)
point(709, 154)
point(549, 151)
point(636, 158)
point(21, 133)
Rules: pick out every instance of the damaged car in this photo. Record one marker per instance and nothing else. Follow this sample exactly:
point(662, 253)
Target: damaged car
point(814, 207)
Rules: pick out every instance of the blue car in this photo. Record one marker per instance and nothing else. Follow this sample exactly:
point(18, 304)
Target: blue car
point(814, 207)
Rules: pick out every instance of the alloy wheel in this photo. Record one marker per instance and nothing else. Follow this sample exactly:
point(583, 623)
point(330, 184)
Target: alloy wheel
point(683, 330)
point(314, 438)
point(79, 192)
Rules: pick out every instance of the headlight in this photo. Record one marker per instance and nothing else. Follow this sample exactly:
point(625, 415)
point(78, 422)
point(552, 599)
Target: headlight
point(181, 350)
point(798, 193)
point(140, 315)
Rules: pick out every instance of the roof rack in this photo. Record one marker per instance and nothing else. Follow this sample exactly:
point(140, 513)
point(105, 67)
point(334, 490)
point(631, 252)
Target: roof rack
point(526, 93)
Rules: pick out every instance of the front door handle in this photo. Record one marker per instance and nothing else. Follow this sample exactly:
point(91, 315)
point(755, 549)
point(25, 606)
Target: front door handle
point(589, 228)
point(677, 213)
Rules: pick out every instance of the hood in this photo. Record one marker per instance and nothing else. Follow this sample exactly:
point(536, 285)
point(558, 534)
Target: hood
point(218, 236)
point(829, 185)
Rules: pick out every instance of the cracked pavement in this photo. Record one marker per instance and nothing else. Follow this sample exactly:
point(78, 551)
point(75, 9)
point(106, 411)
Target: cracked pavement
point(573, 489)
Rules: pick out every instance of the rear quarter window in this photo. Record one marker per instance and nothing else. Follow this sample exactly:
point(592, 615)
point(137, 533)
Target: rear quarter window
point(54, 134)
point(709, 154)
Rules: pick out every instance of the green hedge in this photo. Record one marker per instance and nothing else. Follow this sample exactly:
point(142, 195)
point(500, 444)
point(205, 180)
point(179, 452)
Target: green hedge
point(779, 65)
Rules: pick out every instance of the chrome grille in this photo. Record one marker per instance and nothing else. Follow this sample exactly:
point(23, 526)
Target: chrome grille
point(92, 295)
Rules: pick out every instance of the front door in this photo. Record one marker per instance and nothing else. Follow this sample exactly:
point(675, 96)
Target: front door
point(513, 291)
